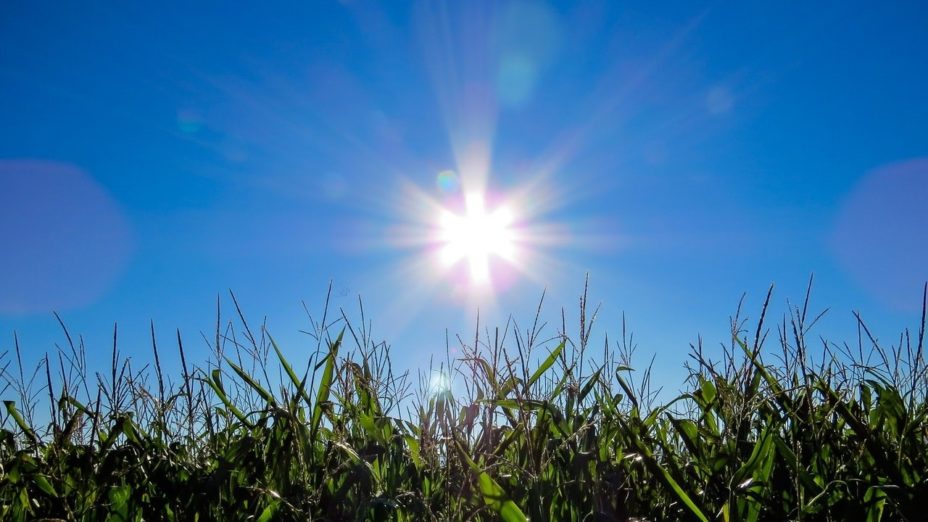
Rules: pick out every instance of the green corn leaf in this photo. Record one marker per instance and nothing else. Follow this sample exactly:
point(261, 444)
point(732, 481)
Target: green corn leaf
point(268, 513)
point(216, 384)
point(20, 421)
point(708, 390)
point(299, 383)
point(67, 399)
point(42, 482)
point(762, 448)
point(675, 486)
point(493, 494)
point(545, 407)
point(666, 477)
point(489, 371)
point(325, 384)
point(689, 433)
point(413, 444)
point(496, 498)
point(589, 385)
point(875, 499)
point(873, 445)
point(789, 457)
point(266, 395)
point(119, 497)
point(551, 359)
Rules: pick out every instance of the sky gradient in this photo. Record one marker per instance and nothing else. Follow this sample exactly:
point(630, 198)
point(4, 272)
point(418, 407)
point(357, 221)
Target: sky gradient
point(680, 154)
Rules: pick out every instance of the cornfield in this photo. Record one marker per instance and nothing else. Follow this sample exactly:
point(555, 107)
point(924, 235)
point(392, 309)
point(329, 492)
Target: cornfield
point(536, 426)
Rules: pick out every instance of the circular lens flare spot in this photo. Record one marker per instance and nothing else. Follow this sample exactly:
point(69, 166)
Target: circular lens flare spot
point(447, 181)
point(439, 383)
point(477, 236)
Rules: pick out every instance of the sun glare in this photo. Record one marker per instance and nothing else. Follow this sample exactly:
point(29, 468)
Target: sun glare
point(477, 236)
point(439, 384)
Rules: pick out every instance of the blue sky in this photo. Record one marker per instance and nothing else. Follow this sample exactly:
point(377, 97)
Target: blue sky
point(680, 154)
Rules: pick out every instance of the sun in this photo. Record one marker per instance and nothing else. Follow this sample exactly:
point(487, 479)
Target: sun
point(477, 236)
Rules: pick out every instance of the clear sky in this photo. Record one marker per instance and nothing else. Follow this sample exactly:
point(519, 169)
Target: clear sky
point(443, 157)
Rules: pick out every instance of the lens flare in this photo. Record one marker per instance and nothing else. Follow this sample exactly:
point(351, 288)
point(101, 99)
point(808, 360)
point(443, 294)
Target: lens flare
point(439, 384)
point(447, 181)
point(65, 240)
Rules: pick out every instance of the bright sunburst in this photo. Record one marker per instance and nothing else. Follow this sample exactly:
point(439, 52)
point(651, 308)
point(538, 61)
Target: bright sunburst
point(476, 236)
point(471, 242)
